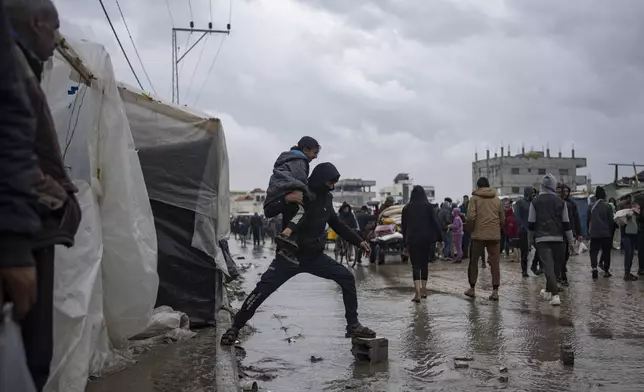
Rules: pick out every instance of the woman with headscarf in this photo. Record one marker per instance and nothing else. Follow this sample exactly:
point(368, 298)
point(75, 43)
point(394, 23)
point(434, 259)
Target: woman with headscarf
point(420, 231)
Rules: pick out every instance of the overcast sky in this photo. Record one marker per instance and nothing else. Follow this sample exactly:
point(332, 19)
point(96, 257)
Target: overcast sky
point(391, 86)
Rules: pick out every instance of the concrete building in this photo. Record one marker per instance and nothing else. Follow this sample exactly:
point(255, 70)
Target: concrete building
point(247, 203)
point(356, 192)
point(509, 174)
point(400, 190)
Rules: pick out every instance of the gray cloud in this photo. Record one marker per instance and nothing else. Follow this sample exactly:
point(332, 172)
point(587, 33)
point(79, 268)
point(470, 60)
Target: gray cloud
point(401, 86)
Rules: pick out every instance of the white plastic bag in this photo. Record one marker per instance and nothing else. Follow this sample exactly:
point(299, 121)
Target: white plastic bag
point(581, 247)
point(14, 373)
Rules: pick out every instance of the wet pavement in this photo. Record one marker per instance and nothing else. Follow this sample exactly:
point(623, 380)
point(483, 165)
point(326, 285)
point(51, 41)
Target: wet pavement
point(184, 366)
point(602, 320)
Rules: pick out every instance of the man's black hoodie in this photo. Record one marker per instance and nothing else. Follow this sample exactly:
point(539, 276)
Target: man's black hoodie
point(573, 211)
point(311, 236)
point(522, 208)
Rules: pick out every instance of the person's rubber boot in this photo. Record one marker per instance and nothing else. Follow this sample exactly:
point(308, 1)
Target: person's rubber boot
point(423, 289)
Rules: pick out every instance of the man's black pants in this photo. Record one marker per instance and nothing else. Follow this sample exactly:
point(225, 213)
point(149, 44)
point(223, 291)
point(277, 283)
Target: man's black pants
point(38, 325)
point(524, 246)
point(280, 271)
point(603, 245)
point(256, 236)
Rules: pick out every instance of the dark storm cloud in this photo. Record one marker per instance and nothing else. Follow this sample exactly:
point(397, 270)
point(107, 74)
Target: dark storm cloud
point(401, 86)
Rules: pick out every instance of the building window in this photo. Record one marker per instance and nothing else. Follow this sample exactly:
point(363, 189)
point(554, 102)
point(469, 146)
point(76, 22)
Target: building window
point(516, 190)
point(542, 171)
point(515, 170)
point(563, 172)
point(529, 170)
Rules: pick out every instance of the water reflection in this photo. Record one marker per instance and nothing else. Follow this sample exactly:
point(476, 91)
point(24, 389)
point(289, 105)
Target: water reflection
point(485, 331)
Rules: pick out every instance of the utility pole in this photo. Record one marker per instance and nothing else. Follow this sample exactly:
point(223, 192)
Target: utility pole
point(176, 58)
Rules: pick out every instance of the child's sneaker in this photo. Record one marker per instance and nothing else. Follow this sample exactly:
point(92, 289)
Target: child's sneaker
point(555, 301)
point(285, 242)
point(288, 256)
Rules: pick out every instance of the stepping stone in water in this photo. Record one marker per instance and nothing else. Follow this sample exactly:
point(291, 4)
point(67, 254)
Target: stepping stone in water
point(374, 350)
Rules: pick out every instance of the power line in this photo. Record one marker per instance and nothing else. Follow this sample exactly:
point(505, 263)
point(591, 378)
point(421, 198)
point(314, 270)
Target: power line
point(194, 72)
point(191, 15)
point(170, 12)
point(135, 49)
point(120, 44)
point(212, 65)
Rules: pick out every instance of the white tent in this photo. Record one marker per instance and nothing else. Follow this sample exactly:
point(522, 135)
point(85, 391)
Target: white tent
point(106, 285)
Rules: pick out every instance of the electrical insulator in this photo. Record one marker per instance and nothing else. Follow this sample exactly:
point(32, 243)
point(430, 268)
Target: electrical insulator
point(192, 24)
point(228, 26)
point(210, 25)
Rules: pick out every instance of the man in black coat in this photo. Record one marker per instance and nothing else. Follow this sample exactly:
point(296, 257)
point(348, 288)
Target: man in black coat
point(311, 242)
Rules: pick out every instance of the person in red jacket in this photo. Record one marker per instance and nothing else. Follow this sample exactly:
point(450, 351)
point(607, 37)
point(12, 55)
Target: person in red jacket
point(511, 232)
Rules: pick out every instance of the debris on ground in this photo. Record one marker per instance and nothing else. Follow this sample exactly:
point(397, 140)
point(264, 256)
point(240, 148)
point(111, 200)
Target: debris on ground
point(504, 378)
point(503, 369)
point(461, 365)
point(464, 359)
point(315, 359)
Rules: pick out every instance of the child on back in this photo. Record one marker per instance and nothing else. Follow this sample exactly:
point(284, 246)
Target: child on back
point(290, 175)
point(457, 233)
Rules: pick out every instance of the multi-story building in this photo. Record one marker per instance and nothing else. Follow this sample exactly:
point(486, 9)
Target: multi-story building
point(356, 192)
point(400, 190)
point(247, 203)
point(509, 174)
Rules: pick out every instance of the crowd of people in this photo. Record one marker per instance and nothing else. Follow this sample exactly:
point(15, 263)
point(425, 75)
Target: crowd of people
point(546, 219)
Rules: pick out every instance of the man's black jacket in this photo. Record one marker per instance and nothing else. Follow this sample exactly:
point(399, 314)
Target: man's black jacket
point(311, 234)
point(19, 218)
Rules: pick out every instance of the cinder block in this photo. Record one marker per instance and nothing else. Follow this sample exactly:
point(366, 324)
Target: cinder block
point(373, 350)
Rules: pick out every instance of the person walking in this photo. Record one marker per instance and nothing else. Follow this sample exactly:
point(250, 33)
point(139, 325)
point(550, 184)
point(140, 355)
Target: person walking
point(600, 229)
point(445, 219)
point(548, 223)
point(256, 228)
point(575, 223)
point(421, 231)
point(521, 212)
point(457, 233)
point(310, 254)
point(466, 234)
point(485, 219)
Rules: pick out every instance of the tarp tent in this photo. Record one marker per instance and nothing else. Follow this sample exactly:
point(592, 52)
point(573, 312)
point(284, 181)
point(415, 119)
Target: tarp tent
point(106, 285)
point(185, 164)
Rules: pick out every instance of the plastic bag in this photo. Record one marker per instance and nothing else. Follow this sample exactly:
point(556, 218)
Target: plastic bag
point(14, 373)
point(581, 248)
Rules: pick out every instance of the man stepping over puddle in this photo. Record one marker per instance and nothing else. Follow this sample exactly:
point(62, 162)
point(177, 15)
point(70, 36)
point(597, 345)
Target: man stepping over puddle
point(310, 254)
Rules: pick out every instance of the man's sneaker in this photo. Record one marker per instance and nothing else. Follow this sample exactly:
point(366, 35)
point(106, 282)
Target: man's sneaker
point(564, 282)
point(630, 278)
point(471, 293)
point(595, 274)
point(525, 274)
point(607, 274)
point(555, 301)
point(545, 295)
point(359, 331)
